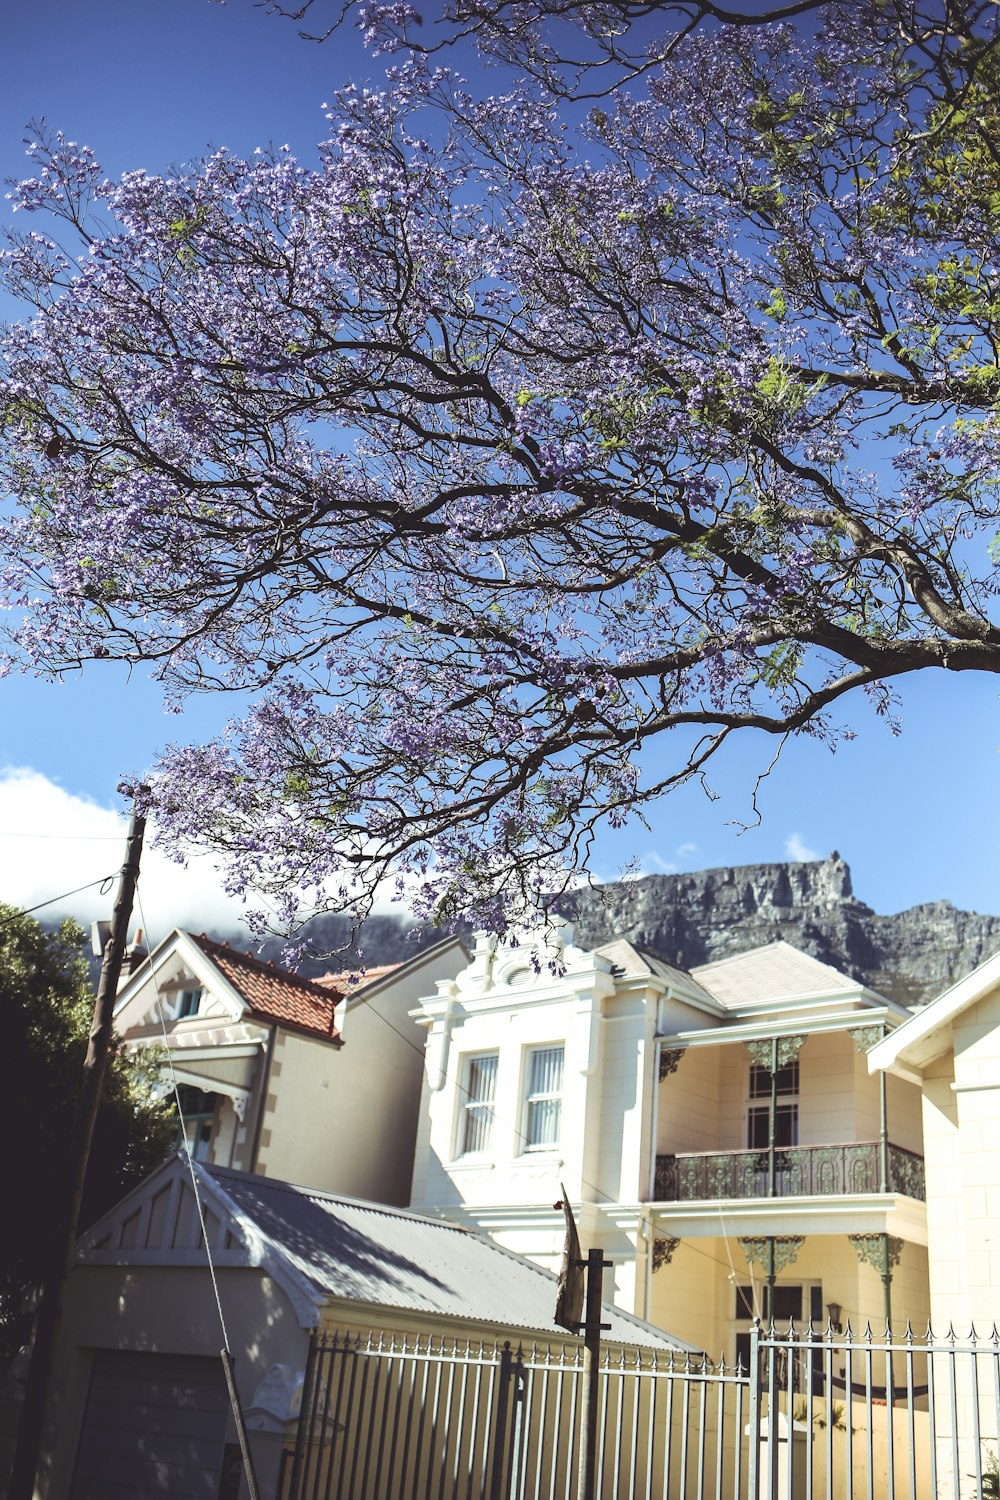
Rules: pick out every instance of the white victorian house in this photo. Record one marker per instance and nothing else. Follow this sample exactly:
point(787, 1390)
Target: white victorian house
point(717, 1132)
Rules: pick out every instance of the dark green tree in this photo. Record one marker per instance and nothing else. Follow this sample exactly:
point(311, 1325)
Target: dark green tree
point(46, 1002)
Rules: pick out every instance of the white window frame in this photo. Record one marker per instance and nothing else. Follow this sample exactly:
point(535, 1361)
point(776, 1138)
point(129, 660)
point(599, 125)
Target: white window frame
point(542, 1096)
point(760, 1104)
point(476, 1108)
point(196, 992)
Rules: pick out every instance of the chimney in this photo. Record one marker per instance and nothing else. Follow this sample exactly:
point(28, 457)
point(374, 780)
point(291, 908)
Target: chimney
point(135, 954)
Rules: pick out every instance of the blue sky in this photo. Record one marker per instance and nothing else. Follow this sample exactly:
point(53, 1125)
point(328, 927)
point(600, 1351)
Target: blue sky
point(149, 83)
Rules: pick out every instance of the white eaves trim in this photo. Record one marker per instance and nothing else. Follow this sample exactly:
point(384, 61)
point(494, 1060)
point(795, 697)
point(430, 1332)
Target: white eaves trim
point(802, 1024)
point(199, 965)
point(928, 1034)
point(810, 999)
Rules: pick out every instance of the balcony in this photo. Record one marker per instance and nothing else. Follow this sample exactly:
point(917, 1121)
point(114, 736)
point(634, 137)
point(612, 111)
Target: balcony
point(800, 1171)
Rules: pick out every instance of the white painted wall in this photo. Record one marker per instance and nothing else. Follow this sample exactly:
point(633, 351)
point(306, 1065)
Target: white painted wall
point(961, 1120)
point(345, 1120)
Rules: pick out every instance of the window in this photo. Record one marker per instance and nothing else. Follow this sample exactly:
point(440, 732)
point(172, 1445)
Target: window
point(787, 1302)
point(791, 1303)
point(480, 1092)
point(543, 1105)
point(189, 1003)
point(195, 1128)
point(786, 1115)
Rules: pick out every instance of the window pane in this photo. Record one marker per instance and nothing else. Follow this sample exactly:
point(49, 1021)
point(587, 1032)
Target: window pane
point(787, 1303)
point(787, 1081)
point(481, 1082)
point(744, 1303)
point(757, 1129)
point(478, 1125)
point(482, 1079)
point(543, 1122)
point(546, 1071)
point(544, 1104)
point(760, 1083)
point(786, 1125)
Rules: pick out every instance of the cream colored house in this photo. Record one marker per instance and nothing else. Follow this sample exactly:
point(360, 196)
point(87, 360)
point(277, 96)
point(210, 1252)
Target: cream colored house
point(140, 1405)
point(717, 1132)
point(950, 1050)
point(313, 1081)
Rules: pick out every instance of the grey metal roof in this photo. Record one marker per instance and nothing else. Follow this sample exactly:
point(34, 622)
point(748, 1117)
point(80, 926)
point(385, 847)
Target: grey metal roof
point(370, 1253)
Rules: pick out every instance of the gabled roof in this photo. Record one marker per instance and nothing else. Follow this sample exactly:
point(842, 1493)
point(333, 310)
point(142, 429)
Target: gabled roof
point(324, 1249)
point(776, 971)
point(349, 981)
point(374, 978)
point(629, 960)
point(929, 1033)
point(243, 989)
point(273, 994)
point(367, 1252)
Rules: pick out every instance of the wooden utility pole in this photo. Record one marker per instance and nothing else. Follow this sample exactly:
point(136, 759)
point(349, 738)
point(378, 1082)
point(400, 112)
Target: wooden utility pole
point(590, 1395)
point(29, 1432)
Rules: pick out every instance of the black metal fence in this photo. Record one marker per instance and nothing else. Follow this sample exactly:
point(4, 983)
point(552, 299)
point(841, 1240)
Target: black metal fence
point(822, 1171)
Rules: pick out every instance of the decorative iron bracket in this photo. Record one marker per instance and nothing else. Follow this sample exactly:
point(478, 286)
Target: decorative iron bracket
point(663, 1251)
point(761, 1050)
point(786, 1248)
point(669, 1058)
point(864, 1037)
point(880, 1251)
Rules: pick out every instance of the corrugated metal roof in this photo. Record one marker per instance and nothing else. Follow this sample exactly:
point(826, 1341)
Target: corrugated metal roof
point(773, 972)
point(366, 1252)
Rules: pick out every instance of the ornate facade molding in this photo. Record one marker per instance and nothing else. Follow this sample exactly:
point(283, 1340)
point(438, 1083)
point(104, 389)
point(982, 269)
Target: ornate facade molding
point(864, 1037)
point(669, 1058)
point(663, 1250)
point(757, 1249)
point(761, 1050)
point(880, 1251)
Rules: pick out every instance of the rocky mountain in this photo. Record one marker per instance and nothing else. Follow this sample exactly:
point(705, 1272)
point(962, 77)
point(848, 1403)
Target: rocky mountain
point(693, 918)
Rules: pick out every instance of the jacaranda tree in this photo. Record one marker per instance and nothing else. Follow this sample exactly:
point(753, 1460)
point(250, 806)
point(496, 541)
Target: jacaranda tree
point(517, 436)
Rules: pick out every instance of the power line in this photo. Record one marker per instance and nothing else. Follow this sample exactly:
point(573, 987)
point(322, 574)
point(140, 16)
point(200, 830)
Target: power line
point(64, 838)
point(105, 883)
point(598, 1193)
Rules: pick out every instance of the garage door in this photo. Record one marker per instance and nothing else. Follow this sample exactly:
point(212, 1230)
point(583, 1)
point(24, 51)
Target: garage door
point(153, 1426)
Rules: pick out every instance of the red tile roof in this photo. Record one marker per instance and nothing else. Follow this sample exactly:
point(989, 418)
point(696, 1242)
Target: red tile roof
point(272, 993)
point(342, 980)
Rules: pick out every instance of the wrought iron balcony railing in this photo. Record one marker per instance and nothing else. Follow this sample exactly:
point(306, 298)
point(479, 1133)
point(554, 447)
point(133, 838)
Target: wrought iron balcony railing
point(799, 1171)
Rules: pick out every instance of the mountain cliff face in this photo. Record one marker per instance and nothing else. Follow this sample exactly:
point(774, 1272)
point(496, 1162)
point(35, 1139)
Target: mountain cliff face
point(695, 918)
point(692, 919)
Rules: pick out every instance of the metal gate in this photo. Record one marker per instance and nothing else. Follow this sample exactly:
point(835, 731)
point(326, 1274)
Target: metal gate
point(817, 1416)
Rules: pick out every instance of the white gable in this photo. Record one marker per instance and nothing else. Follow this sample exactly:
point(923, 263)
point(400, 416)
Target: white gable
point(154, 991)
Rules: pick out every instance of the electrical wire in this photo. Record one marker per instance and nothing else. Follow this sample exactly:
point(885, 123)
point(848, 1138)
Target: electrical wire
point(599, 1193)
point(64, 838)
point(185, 1149)
point(105, 882)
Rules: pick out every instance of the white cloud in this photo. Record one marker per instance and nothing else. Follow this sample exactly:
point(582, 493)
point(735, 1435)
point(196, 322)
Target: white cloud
point(796, 848)
point(52, 841)
point(650, 863)
point(685, 851)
